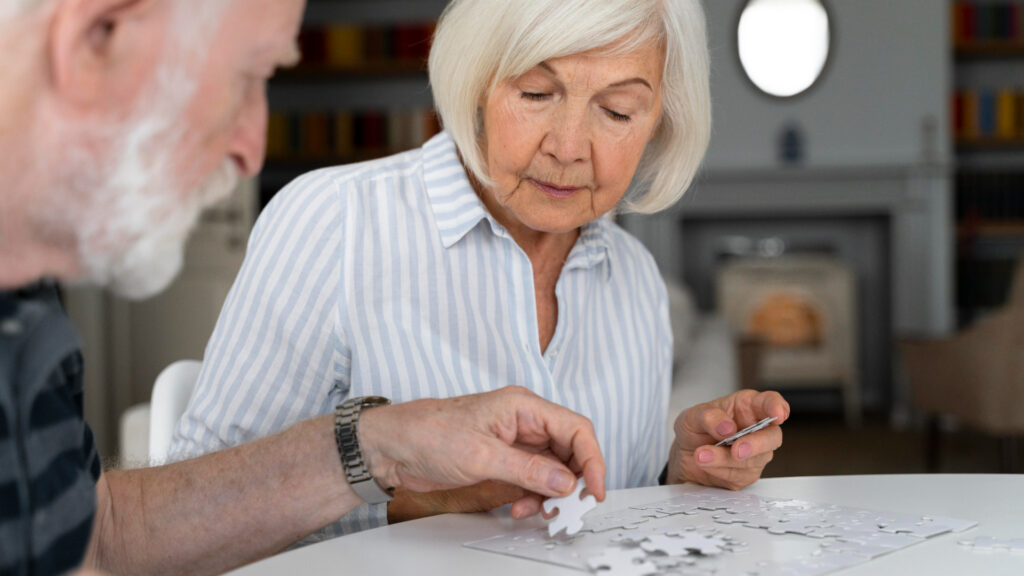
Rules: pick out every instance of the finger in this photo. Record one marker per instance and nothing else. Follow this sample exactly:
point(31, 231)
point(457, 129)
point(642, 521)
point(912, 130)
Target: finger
point(527, 506)
point(572, 439)
point(716, 423)
point(533, 472)
point(771, 404)
point(711, 457)
point(732, 478)
point(766, 440)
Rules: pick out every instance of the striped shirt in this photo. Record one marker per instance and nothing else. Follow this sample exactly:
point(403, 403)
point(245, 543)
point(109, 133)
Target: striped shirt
point(48, 462)
point(391, 278)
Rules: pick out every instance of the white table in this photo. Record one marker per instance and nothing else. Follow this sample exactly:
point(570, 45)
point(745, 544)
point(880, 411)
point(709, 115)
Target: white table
point(433, 546)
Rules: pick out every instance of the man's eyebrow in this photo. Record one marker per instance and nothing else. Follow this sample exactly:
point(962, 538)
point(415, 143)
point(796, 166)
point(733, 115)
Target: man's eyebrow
point(620, 83)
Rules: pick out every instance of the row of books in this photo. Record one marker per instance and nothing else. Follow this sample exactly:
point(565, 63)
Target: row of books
point(348, 46)
point(988, 114)
point(990, 196)
point(975, 23)
point(346, 135)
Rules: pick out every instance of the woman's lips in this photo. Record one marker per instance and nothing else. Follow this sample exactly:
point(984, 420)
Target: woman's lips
point(555, 190)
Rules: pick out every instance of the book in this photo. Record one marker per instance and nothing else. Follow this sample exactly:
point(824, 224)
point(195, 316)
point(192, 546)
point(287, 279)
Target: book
point(1006, 114)
point(344, 46)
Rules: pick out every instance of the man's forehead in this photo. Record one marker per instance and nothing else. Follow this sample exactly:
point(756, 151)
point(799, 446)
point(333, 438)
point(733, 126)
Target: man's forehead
point(268, 27)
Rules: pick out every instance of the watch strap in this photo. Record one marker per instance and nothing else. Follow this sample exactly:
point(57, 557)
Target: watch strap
point(346, 434)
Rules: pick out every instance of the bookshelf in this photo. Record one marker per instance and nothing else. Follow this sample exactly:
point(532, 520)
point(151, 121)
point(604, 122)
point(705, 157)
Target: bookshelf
point(360, 92)
point(987, 120)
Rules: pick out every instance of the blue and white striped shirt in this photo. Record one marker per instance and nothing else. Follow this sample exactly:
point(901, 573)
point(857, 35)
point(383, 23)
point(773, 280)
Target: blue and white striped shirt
point(390, 278)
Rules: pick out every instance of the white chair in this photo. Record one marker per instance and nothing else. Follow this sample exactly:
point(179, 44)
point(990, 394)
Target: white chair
point(134, 435)
point(171, 394)
point(147, 429)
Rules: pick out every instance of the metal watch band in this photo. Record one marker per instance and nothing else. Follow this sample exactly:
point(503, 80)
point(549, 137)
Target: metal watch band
point(346, 427)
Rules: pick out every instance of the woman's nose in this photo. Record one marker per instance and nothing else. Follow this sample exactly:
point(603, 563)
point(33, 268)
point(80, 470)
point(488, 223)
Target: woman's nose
point(568, 138)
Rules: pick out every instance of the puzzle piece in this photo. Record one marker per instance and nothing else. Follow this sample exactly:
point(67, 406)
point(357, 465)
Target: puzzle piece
point(748, 430)
point(623, 562)
point(571, 509)
point(684, 544)
point(986, 543)
point(627, 519)
point(923, 528)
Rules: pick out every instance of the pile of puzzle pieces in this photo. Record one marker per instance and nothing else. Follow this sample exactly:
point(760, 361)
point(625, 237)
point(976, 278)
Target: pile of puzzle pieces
point(626, 541)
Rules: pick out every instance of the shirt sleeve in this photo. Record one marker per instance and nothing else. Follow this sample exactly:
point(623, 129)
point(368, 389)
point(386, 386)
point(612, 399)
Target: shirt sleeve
point(277, 355)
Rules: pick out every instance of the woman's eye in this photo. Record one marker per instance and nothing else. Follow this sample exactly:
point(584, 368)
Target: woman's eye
point(536, 96)
point(616, 116)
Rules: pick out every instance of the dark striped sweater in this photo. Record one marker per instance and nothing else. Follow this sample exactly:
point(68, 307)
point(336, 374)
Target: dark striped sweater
point(48, 462)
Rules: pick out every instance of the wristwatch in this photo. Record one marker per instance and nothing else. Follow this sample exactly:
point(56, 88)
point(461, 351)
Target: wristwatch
point(346, 427)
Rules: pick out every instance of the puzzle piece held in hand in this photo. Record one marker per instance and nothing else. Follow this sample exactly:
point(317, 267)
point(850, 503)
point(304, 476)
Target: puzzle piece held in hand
point(570, 510)
point(748, 430)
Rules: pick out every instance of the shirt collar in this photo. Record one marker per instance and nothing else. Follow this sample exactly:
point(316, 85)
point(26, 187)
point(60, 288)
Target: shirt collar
point(592, 247)
point(458, 209)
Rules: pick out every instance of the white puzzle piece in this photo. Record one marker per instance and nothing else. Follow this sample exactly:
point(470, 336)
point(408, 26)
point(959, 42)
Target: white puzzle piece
point(684, 543)
point(627, 519)
point(571, 509)
point(623, 562)
point(748, 430)
point(988, 544)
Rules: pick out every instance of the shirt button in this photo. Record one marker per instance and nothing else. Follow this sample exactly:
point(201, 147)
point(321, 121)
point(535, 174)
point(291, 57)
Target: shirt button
point(10, 327)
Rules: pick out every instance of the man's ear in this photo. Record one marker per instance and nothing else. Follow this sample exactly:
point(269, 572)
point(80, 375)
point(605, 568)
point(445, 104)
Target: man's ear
point(85, 47)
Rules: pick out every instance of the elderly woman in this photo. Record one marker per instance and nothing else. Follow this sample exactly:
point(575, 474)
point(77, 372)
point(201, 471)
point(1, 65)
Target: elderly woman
point(485, 259)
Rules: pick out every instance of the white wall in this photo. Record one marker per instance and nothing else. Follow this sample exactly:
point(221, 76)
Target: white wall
point(889, 71)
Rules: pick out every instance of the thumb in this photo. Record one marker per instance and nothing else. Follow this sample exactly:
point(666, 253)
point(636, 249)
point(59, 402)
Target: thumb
point(534, 472)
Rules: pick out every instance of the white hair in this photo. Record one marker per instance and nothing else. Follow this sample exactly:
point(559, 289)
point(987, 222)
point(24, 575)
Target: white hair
point(10, 9)
point(479, 43)
point(117, 200)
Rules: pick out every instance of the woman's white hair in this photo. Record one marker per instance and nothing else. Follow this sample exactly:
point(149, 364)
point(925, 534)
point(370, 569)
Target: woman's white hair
point(479, 43)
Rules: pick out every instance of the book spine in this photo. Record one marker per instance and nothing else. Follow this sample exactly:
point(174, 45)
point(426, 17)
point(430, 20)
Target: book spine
point(1006, 114)
point(344, 46)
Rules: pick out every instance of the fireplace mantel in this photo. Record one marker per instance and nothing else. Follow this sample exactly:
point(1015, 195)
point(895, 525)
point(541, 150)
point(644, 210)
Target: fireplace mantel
point(916, 199)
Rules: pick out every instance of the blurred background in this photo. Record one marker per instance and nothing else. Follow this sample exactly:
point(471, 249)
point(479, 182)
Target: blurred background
point(851, 241)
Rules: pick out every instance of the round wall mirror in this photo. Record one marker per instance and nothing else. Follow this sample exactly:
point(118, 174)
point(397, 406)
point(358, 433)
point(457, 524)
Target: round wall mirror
point(783, 44)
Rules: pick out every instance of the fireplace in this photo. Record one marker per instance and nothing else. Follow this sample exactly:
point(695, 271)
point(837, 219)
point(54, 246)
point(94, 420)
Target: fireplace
point(889, 224)
point(801, 309)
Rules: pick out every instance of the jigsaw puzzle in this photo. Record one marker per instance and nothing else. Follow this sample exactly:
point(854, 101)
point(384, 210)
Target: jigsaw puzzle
point(712, 531)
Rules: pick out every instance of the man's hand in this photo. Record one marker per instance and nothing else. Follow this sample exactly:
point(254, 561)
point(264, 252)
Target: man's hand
point(510, 435)
point(694, 458)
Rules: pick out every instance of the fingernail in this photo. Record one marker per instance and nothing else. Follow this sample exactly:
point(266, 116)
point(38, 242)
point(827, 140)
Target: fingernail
point(560, 481)
point(724, 428)
point(705, 456)
point(743, 451)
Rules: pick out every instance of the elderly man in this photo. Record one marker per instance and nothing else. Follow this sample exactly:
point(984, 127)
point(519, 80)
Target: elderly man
point(119, 121)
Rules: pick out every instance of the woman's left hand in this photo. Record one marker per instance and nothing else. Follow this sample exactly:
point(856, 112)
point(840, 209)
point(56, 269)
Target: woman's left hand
point(695, 458)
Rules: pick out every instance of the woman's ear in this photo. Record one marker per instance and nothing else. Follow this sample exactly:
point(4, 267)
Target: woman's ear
point(84, 49)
